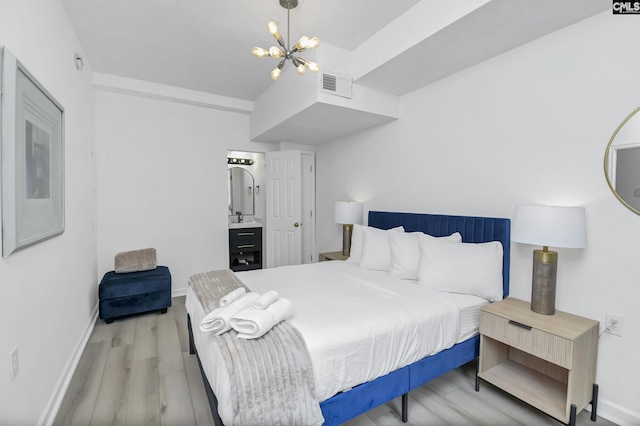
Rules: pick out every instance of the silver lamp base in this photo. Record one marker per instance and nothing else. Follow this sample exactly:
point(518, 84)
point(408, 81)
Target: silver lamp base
point(347, 230)
point(543, 288)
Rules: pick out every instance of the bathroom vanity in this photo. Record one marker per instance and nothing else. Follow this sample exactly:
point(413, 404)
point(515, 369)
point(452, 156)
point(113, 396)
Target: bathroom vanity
point(245, 246)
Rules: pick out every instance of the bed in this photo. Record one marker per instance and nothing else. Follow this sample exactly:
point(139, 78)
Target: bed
point(342, 400)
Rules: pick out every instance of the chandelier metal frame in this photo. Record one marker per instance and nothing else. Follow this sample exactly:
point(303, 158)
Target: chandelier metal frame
point(283, 50)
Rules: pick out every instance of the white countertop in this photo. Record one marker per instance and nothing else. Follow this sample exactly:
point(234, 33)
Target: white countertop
point(251, 223)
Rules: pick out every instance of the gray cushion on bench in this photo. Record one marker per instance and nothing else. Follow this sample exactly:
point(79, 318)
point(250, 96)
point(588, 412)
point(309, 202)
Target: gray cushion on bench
point(136, 261)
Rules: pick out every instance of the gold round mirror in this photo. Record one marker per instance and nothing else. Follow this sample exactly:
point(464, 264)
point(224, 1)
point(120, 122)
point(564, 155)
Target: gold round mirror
point(622, 162)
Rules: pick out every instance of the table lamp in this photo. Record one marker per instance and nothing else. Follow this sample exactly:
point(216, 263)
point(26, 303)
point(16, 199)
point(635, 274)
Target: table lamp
point(548, 226)
point(347, 213)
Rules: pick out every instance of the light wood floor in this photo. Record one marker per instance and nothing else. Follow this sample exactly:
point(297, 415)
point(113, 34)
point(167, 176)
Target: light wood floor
point(138, 371)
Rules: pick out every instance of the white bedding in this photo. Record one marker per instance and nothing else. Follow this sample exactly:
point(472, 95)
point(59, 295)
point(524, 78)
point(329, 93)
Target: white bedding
point(358, 324)
point(469, 307)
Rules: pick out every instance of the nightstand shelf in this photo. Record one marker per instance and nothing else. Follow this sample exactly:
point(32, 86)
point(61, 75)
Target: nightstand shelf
point(547, 361)
point(536, 389)
point(332, 255)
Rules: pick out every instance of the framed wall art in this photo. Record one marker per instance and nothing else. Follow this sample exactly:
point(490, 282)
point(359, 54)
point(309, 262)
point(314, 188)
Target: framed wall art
point(32, 151)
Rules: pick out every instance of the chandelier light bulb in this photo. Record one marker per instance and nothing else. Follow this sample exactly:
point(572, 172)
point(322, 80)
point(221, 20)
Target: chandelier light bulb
point(312, 66)
point(299, 64)
point(275, 74)
point(302, 43)
point(259, 52)
point(275, 52)
point(272, 27)
point(312, 43)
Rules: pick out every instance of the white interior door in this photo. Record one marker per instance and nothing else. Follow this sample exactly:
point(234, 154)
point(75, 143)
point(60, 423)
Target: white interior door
point(284, 206)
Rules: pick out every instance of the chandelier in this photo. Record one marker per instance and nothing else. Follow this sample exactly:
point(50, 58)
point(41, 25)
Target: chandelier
point(283, 51)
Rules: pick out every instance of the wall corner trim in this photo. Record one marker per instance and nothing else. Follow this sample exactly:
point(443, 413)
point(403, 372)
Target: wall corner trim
point(147, 89)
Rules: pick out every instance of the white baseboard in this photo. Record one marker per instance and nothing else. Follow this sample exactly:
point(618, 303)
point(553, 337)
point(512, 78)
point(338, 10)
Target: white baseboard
point(179, 292)
point(53, 405)
point(616, 413)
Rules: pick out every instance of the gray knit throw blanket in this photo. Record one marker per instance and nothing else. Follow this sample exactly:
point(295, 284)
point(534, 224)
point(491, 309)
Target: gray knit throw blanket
point(271, 377)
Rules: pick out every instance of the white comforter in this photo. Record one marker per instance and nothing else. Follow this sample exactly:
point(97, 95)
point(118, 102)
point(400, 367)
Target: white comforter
point(357, 324)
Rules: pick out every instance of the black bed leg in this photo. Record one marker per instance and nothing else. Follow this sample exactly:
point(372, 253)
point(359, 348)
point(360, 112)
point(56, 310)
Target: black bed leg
point(594, 402)
point(405, 408)
point(192, 346)
point(477, 379)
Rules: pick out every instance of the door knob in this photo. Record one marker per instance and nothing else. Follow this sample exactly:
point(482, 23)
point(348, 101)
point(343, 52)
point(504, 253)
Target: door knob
point(296, 224)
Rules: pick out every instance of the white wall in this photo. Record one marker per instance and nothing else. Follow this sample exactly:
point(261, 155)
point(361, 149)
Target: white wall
point(49, 291)
point(162, 181)
point(530, 126)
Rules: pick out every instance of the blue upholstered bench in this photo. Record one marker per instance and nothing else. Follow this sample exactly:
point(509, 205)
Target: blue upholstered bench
point(134, 292)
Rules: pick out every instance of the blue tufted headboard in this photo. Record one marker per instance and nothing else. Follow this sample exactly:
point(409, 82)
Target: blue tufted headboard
point(472, 229)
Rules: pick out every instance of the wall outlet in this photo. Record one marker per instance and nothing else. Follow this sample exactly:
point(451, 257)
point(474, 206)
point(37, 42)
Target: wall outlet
point(15, 367)
point(614, 324)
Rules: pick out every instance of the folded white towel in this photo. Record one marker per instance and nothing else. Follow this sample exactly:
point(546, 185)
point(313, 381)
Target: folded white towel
point(232, 297)
point(265, 300)
point(217, 321)
point(254, 323)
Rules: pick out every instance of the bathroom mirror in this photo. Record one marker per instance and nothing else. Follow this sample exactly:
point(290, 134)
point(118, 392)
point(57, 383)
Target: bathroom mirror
point(241, 191)
point(622, 162)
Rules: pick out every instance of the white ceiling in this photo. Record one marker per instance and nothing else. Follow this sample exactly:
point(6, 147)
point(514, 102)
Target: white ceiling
point(493, 28)
point(205, 45)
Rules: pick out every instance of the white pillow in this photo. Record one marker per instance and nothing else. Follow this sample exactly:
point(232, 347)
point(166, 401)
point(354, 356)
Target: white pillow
point(357, 237)
point(356, 243)
point(462, 268)
point(405, 253)
point(376, 252)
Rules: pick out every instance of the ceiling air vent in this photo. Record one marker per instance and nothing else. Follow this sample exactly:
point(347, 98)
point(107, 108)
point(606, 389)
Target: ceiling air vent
point(336, 84)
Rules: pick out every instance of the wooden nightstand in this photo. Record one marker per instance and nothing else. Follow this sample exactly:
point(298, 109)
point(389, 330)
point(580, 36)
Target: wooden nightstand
point(547, 361)
point(332, 255)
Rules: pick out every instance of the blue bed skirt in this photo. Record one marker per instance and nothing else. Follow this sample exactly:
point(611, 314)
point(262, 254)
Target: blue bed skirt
point(347, 405)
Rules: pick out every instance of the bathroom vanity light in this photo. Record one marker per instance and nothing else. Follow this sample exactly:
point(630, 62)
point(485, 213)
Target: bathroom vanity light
point(240, 161)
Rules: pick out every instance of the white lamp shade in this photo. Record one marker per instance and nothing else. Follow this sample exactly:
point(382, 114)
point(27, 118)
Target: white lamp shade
point(550, 226)
point(348, 212)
